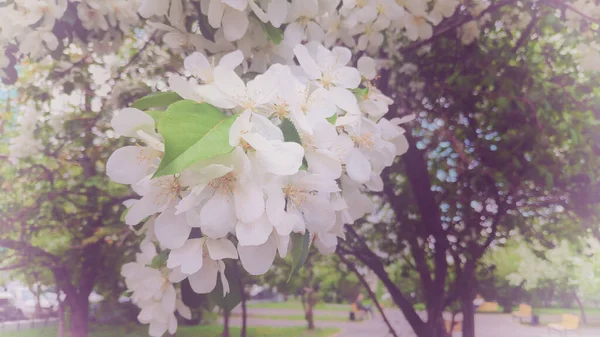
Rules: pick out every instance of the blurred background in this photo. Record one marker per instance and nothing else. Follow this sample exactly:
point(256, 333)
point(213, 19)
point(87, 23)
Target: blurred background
point(491, 220)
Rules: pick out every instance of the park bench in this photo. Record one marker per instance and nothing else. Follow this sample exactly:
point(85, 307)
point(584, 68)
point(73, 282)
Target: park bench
point(568, 323)
point(488, 307)
point(525, 313)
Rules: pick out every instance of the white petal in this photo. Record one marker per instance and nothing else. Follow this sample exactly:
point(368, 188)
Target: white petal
point(171, 230)
point(315, 32)
point(325, 134)
point(240, 5)
point(358, 205)
point(240, 126)
point(319, 214)
point(346, 77)
point(128, 121)
point(169, 299)
point(130, 164)
point(213, 95)
point(217, 217)
point(232, 60)
point(199, 66)
point(326, 243)
point(358, 167)
point(184, 88)
point(264, 127)
point(283, 243)
point(276, 211)
point(277, 12)
point(263, 88)
point(142, 209)
point(375, 184)
point(257, 260)
point(284, 159)
point(366, 67)
point(156, 328)
point(184, 310)
point(205, 280)
point(293, 34)
point(318, 182)
point(221, 249)
point(189, 256)
point(324, 162)
point(401, 144)
point(258, 142)
point(224, 280)
point(345, 99)
point(229, 82)
point(301, 121)
point(343, 55)
point(255, 233)
point(176, 275)
point(256, 9)
point(215, 13)
point(172, 324)
point(249, 201)
point(235, 24)
point(307, 63)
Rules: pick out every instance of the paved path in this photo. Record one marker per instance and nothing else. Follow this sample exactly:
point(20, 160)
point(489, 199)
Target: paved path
point(486, 325)
point(286, 311)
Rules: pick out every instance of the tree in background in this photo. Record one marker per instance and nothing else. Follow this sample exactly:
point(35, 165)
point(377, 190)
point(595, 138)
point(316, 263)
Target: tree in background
point(505, 141)
point(565, 268)
point(59, 211)
point(496, 265)
point(505, 130)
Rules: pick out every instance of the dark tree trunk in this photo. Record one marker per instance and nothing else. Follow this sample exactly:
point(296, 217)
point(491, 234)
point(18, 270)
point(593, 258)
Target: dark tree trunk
point(309, 299)
point(244, 309)
point(225, 332)
point(78, 318)
point(581, 309)
point(370, 259)
point(61, 319)
point(310, 318)
point(468, 310)
point(373, 297)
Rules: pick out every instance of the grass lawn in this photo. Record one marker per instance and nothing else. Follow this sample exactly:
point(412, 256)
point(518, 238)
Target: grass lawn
point(184, 331)
point(293, 304)
point(558, 311)
point(300, 317)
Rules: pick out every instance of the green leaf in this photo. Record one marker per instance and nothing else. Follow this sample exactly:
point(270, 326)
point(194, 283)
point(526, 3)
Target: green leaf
point(156, 114)
point(274, 34)
point(160, 260)
point(502, 102)
point(333, 119)
point(361, 92)
point(124, 214)
point(549, 180)
point(300, 245)
point(290, 133)
point(192, 132)
point(156, 100)
point(234, 297)
point(190, 297)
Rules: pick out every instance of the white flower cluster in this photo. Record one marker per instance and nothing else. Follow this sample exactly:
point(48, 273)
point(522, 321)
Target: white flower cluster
point(154, 293)
point(32, 24)
point(267, 187)
point(25, 144)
